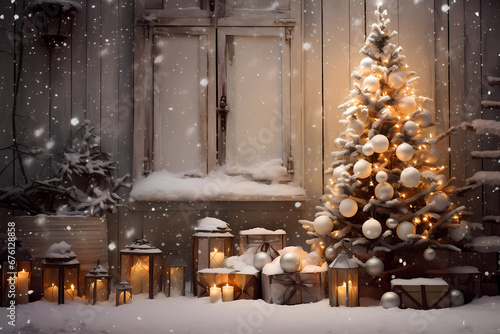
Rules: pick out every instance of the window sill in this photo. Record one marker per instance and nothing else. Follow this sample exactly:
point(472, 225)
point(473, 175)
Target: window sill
point(250, 205)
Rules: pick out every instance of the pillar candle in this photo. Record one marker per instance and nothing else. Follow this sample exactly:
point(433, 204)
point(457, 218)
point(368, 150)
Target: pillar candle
point(69, 294)
point(215, 294)
point(22, 287)
point(51, 293)
point(341, 295)
point(227, 293)
point(216, 258)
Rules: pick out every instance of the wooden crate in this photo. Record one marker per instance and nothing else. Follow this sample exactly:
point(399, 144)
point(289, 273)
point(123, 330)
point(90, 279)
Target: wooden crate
point(422, 293)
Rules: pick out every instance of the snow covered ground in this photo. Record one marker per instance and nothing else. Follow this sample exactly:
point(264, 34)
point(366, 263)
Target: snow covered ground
point(197, 315)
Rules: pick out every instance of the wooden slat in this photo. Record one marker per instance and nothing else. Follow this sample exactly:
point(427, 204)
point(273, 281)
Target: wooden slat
point(313, 109)
point(79, 64)
point(336, 75)
point(357, 35)
point(93, 66)
point(7, 91)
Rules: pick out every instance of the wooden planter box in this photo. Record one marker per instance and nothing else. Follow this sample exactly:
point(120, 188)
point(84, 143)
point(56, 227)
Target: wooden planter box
point(246, 286)
point(422, 293)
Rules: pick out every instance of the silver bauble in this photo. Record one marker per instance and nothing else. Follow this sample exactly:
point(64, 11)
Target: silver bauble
point(330, 254)
point(410, 128)
point(456, 298)
point(261, 259)
point(429, 254)
point(391, 223)
point(374, 266)
point(290, 262)
point(390, 299)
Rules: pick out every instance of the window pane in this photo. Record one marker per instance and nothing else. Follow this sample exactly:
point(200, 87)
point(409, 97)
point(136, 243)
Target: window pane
point(255, 131)
point(178, 84)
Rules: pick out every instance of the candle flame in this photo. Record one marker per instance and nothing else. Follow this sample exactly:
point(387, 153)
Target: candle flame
point(215, 250)
point(227, 284)
point(215, 286)
point(72, 287)
point(52, 284)
point(23, 271)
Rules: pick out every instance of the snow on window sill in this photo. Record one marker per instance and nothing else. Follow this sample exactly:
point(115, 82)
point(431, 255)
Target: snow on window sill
point(223, 184)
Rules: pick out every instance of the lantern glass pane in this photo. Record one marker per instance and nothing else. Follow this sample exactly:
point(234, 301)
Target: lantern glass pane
point(101, 290)
point(138, 275)
point(201, 253)
point(217, 250)
point(70, 283)
point(50, 283)
point(123, 297)
point(175, 282)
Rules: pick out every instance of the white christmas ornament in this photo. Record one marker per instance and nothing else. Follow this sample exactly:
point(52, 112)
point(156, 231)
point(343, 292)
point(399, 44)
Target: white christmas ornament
point(313, 258)
point(407, 105)
point(323, 225)
point(456, 298)
point(458, 233)
point(397, 79)
point(381, 177)
point(380, 143)
point(429, 254)
point(339, 143)
point(371, 84)
point(410, 129)
point(432, 154)
point(357, 126)
point(261, 259)
point(374, 266)
point(410, 177)
point(337, 172)
point(423, 118)
point(362, 168)
point(404, 229)
point(371, 228)
point(366, 63)
point(390, 299)
point(348, 207)
point(384, 191)
point(290, 262)
point(404, 152)
point(368, 149)
point(391, 223)
point(441, 201)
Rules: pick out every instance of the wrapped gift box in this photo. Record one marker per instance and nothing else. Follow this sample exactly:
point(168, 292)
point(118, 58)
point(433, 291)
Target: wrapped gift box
point(422, 293)
point(246, 285)
point(262, 240)
point(294, 288)
point(464, 278)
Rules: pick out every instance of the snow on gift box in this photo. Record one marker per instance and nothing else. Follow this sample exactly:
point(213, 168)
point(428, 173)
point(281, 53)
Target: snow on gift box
point(307, 284)
point(262, 240)
point(212, 243)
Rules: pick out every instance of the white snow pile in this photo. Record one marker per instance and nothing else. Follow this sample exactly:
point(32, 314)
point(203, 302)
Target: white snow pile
point(212, 224)
point(60, 251)
point(309, 262)
point(261, 230)
point(485, 177)
point(485, 244)
point(193, 315)
point(483, 126)
point(227, 183)
point(419, 281)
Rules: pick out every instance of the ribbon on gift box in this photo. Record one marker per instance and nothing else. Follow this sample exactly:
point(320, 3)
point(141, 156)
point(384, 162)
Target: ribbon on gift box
point(267, 248)
point(248, 288)
point(293, 286)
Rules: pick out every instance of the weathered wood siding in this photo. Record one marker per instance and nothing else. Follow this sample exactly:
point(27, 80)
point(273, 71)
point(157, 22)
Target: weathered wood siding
point(452, 48)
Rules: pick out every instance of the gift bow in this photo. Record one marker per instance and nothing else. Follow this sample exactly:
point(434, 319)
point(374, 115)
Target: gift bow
point(267, 248)
point(293, 287)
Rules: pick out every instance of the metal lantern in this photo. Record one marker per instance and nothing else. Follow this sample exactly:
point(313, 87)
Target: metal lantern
point(140, 265)
point(97, 284)
point(210, 248)
point(174, 274)
point(123, 293)
point(344, 272)
point(17, 265)
point(60, 273)
point(53, 20)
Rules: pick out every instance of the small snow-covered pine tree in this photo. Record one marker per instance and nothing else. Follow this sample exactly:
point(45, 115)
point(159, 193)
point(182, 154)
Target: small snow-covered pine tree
point(386, 190)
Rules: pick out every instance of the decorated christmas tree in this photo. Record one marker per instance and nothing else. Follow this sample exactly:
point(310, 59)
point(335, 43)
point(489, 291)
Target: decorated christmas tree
point(386, 191)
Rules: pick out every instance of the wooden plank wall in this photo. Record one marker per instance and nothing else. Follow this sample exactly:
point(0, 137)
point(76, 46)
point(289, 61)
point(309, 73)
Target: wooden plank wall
point(92, 78)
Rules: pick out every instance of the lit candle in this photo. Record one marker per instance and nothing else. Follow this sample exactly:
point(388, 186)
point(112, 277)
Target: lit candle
point(70, 293)
point(215, 294)
point(176, 282)
point(227, 293)
point(51, 293)
point(341, 293)
point(216, 259)
point(22, 287)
